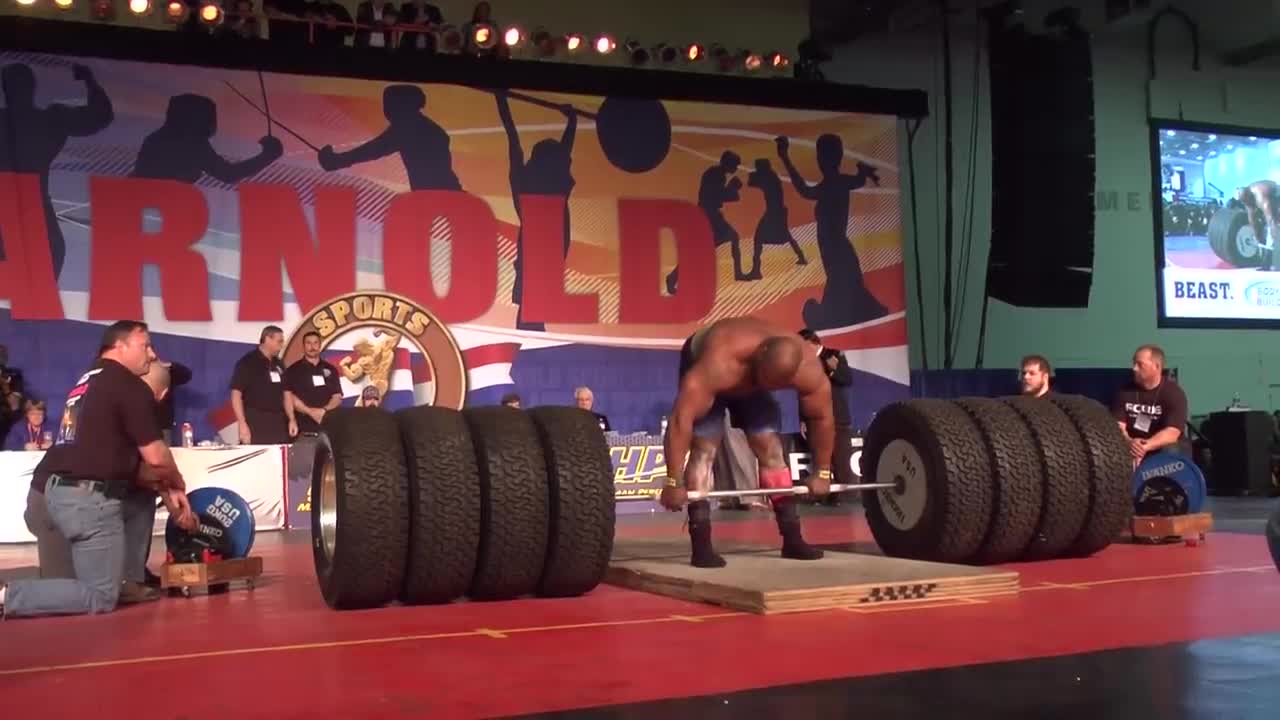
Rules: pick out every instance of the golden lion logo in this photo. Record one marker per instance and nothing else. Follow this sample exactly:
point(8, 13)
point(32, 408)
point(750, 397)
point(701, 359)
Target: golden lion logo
point(393, 318)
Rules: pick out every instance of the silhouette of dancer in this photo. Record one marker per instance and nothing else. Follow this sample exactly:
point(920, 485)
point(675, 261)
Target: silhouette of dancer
point(545, 173)
point(423, 145)
point(773, 228)
point(32, 137)
point(181, 150)
point(845, 299)
point(717, 187)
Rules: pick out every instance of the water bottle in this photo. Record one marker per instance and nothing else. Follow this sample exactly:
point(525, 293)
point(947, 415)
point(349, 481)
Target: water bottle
point(601, 423)
point(188, 435)
point(664, 426)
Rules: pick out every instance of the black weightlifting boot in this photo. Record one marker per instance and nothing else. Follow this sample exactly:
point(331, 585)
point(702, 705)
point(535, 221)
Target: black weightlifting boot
point(700, 536)
point(793, 545)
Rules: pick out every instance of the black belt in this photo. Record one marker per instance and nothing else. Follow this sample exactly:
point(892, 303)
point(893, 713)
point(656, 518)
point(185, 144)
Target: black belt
point(109, 489)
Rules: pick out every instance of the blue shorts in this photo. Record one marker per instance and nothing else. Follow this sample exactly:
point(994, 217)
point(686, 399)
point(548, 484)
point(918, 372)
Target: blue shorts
point(753, 414)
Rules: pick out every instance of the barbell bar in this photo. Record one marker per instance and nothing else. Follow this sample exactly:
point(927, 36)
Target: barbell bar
point(796, 490)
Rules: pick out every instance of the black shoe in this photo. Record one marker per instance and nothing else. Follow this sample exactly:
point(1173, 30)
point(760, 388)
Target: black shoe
point(151, 579)
point(793, 545)
point(704, 556)
point(132, 593)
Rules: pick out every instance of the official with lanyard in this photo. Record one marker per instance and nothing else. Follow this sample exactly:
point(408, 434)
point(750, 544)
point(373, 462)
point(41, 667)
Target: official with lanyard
point(108, 427)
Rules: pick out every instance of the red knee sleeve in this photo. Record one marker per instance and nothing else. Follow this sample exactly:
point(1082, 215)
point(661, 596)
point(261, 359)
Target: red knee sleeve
point(778, 478)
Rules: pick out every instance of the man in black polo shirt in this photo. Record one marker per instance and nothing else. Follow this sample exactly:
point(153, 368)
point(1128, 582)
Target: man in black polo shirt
point(1152, 411)
point(312, 386)
point(108, 424)
point(263, 414)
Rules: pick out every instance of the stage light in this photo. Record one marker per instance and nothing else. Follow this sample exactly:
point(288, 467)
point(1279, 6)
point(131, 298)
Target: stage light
point(542, 42)
point(777, 60)
point(211, 13)
point(636, 52)
point(513, 37)
point(65, 4)
point(140, 7)
point(751, 61)
point(666, 54)
point(694, 53)
point(483, 36)
point(573, 42)
point(175, 11)
point(450, 39)
point(605, 44)
point(26, 3)
point(724, 60)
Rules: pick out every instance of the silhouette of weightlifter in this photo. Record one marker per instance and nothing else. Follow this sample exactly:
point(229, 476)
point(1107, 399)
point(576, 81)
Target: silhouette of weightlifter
point(546, 172)
point(845, 299)
point(423, 145)
point(32, 137)
point(181, 149)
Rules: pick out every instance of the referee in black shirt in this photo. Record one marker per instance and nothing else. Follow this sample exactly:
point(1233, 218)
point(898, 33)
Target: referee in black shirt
point(311, 385)
point(264, 416)
point(109, 422)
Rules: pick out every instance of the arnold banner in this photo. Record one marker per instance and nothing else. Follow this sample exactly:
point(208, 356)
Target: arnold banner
point(548, 240)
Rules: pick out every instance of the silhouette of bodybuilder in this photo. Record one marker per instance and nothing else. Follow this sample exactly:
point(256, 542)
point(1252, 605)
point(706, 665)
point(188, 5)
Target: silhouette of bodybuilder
point(845, 299)
point(181, 150)
point(423, 145)
point(32, 137)
point(773, 228)
point(1262, 201)
point(716, 188)
point(545, 173)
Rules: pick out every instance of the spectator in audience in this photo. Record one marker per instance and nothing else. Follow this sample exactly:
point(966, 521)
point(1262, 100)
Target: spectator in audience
point(286, 22)
point(375, 21)
point(332, 23)
point(586, 399)
point(241, 22)
point(11, 389)
point(369, 397)
point(34, 432)
point(424, 20)
point(1035, 376)
point(511, 400)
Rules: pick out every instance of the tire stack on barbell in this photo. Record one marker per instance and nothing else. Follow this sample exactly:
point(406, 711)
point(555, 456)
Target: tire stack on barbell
point(985, 480)
point(428, 505)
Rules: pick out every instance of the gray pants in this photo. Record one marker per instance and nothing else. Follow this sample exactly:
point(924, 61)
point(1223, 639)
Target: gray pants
point(139, 517)
point(94, 525)
point(51, 547)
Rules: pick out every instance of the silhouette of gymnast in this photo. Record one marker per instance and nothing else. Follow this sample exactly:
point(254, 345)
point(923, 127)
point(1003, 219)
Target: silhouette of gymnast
point(773, 228)
point(845, 299)
point(423, 145)
point(32, 137)
point(547, 172)
point(718, 186)
point(180, 149)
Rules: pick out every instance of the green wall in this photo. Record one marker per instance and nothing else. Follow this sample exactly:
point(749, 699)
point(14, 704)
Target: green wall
point(1212, 365)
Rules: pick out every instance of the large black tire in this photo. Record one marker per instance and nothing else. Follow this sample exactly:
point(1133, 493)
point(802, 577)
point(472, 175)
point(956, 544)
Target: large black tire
point(361, 563)
point(1065, 465)
point(444, 503)
point(1018, 476)
point(583, 507)
point(514, 516)
point(943, 508)
point(1110, 473)
point(1229, 233)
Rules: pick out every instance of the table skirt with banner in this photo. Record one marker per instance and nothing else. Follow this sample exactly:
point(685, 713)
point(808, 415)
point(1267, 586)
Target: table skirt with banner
point(275, 480)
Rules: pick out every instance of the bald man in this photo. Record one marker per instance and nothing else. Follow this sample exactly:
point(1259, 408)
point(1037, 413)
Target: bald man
point(734, 365)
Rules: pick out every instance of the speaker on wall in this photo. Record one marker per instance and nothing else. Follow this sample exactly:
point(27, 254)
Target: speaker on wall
point(1043, 164)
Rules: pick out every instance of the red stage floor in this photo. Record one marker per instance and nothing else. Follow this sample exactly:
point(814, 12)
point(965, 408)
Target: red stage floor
point(278, 652)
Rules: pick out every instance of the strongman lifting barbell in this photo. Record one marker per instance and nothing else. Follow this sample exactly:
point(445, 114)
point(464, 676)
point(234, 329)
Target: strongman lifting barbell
point(429, 504)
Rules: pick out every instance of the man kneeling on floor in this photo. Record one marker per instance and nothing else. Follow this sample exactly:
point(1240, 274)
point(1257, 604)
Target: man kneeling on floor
point(734, 365)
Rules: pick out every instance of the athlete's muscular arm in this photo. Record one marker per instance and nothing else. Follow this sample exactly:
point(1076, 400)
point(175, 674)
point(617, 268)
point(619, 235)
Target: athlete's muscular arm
point(692, 402)
point(814, 393)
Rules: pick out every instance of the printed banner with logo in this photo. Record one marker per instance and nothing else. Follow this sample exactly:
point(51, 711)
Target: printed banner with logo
point(558, 240)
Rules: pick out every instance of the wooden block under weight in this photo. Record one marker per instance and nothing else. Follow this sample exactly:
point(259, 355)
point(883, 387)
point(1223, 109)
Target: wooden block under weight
point(205, 574)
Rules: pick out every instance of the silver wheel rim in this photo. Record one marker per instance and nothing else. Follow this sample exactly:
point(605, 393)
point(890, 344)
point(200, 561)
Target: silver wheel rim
point(901, 463)
point(329, 507)
point(1246, 242)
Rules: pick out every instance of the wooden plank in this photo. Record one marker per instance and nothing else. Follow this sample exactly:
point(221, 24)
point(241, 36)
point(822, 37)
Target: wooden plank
point(205, 574)
point(762, 582)
point(1154, 526)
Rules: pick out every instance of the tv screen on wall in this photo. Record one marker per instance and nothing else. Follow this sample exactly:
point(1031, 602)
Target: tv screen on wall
point(1217, 225)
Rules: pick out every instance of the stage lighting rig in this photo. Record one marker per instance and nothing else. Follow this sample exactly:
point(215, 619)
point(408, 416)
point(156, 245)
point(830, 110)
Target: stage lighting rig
point(637, 53)
point(484, 36)
point(605, 44)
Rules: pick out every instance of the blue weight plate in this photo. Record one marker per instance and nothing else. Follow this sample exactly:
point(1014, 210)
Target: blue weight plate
point(224, 510)
point(1158, 471)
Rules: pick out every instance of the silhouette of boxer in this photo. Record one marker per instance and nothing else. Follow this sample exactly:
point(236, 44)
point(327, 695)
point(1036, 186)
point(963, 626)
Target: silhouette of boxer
point(423, 145)
point(717, 187)
point(773, 228)
point(32, 137)
point(545, 173)
point(181, 150)
point(845, 299)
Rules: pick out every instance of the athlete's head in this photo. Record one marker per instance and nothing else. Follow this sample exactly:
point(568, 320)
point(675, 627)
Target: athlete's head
point(776, 361)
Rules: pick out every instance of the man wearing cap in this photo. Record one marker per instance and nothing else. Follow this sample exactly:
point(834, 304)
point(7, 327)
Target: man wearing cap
point(369, 397)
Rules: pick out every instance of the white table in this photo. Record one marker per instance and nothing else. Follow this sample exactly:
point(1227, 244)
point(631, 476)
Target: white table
point(255, 472)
